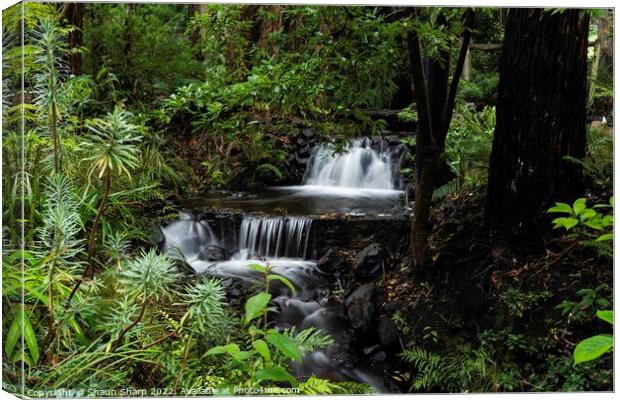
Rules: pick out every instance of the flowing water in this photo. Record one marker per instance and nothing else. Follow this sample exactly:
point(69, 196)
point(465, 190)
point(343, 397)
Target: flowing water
point(366, 177)
point(361, 166)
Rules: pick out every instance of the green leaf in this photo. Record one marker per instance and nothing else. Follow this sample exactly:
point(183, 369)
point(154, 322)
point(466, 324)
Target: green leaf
point(258, 267)
point(565, 222)
point(587, 214)
point(15, 332)
point(606, 237)
point(282, 279)
point(561, 208)
point(286, 345)
point(579, 205)
point(262, 348)
point(255, 305)
point(592, 348)
point(606, 315)
point(278, 374)
point(31, 340)
point(232, 349)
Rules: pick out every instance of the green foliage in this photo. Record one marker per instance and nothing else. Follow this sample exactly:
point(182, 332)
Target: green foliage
point(595, 346)
point(591, 299)
point(149, 277)
point(519, 303)
point(468, 148)
point(598, 163)
point(111, 147)
point(463, 371)
point(586, 225)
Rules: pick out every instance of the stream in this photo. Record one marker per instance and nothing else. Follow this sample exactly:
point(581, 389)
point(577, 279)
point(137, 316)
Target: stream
point(276, 228)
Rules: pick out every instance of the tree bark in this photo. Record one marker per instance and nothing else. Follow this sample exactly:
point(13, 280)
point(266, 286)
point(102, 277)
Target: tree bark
point(74, 13)
point(435, 103)
point(194, 36)
point(541, 118)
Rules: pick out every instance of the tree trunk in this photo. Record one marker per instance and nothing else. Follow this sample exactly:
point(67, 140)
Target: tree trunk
point(435, 104)
point(194, 36)
point(541, 118)
point(271, 22)
point(74, 13)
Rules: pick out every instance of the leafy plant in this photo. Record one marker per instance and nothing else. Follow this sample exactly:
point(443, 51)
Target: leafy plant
point(585, 225)
point(595, 346)
point(591, 299)
point(519, 302)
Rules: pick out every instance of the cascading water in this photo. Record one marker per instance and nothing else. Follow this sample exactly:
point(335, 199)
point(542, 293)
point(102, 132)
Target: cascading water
point(274, 237)
point(368, 172)
point(283, 244)
point(363, 165)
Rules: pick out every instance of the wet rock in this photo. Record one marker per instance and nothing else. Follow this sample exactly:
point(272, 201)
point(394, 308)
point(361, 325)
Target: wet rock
point(327, 320)
point(368, 263)
point(308, 132)
point(360, 307)
point(292, 312)
point(213, 252)
point(379, 357)
point(333, 261)
point(386, 332)
point(301, 142)
point(371, 349)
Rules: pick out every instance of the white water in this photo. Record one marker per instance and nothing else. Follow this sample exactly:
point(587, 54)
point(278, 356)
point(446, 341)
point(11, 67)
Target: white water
point(187, 236)
point(360, 167)
point(283, 240)
point(274, 237)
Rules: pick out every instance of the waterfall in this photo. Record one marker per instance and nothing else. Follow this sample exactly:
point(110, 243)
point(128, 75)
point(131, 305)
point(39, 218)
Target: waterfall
point(274, 237)
point(364, 165)
point(187, 236)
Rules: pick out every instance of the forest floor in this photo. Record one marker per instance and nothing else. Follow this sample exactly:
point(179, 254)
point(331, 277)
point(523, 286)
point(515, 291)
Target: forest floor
point(526, 303)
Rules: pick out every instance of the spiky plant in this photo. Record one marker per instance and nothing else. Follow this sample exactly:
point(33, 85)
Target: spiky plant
point(112, 149)
point(146, 280)
point(206, 313)
point(51, 50)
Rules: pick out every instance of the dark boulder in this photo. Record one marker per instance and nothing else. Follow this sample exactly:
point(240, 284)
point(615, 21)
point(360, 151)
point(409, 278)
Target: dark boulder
point(369, 263)
point(360, 307)
point(333, 261)
point(213, 252)
point(386, 332)
point(308, 133)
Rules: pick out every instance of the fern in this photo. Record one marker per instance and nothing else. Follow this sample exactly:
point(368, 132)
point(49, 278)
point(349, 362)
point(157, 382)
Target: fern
point(310, 339)
point(272, 168)
point(462, 371)
point(314, 386)
point(449, 189)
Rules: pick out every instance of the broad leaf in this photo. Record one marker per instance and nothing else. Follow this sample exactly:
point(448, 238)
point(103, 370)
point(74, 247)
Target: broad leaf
point(605, 238)
point(579, 205)
point(286, 345)
point(565, 222)
point(592, 348)
point(263, 349)
point(255, 306)
point(278, 374)
point(283, 280)
point(31, 340)
point(15, 332)
point(561, 208)
point(606, 315)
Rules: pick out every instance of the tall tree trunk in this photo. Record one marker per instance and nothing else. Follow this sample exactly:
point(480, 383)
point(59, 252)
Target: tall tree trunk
point(271, 21)
point(435, 104)
point(74, 13)
point(194, 36)
point(541, 118)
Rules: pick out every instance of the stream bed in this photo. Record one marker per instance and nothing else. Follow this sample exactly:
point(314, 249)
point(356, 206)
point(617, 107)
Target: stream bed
point(348, 203)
